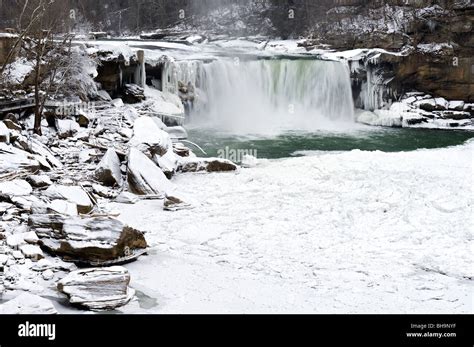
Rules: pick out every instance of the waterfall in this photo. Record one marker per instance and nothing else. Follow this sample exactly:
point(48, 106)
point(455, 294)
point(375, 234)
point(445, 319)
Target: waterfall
point(267, 96)
point(273, 95)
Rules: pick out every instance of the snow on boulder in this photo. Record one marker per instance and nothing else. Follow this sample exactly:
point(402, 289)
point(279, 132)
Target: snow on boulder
point(206, 164)
point(94, 241)
point(4, 133)
point(39, 181)
point(13, 159)
point(32, 252)
point(167, 162)
point(27, 303)
point(146, 131)
point(144, 177)
point(456, 105)
point(72, 194)
point(98, 289)
point(67, 128)
point(63, 207)
point(108, 172)
point(164, 103)
point(441, 104)
point(36, 147)
point(380, 118)
point(427, 105)
point(14, 188)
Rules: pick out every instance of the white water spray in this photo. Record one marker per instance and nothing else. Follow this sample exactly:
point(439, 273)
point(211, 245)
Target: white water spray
point(268, 96)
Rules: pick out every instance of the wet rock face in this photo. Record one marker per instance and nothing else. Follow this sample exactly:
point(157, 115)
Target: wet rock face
point(438, 32)
point(98, 289)
point(95, 241)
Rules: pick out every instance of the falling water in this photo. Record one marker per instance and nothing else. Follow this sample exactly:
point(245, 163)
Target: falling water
point(274, 95)
point(269, 96)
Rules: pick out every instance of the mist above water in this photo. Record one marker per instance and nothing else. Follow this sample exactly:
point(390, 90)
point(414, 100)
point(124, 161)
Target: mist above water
point(274, 96)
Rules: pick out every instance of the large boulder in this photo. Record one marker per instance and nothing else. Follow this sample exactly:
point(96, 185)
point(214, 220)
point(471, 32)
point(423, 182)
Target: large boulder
point(36, 147)
point(67, 128)
point(15, 188)
point(108, 171)
point(147, 132)
point(14, 159)
point(98, 289)
point(93, 241)
point(144, 177)
point(73, 194)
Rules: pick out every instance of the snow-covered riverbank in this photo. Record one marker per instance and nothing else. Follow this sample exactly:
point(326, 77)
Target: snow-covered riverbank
point(351, 232)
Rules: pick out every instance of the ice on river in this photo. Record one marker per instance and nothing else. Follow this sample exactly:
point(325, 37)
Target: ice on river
point(351, 232)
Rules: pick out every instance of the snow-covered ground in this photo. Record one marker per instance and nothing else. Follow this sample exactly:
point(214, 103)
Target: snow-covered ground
point(351, 232)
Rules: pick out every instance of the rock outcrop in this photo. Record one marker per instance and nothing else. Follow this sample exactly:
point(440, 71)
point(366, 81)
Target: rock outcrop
point(435, 35)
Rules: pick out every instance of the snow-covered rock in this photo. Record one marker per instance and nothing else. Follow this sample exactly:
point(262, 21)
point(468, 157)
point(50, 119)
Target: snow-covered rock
point(48, 275)
point(441, 104)
point(95, 241)
point(63, 207)
point(144, 177)
point(14, 159)
point(126, 198)
point(172, 203)
point(427, 104)
point(4, 133)
point(103, 95)
point(39, 181)
point(456, 105)
point(73, 194)
point(206, 164)
point(87, 155)
point(146, 131)
point(167, 162)
point(32, 252)
point(67, 128)
point(108, 171)
point(15, 241)
point(103, 192)
point(40, 149)
point(27, 303)
point(164, 103)
point(15, 188)
point(98, 289)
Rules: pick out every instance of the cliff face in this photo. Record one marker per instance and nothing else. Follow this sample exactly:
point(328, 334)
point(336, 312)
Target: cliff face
point(437, 35)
